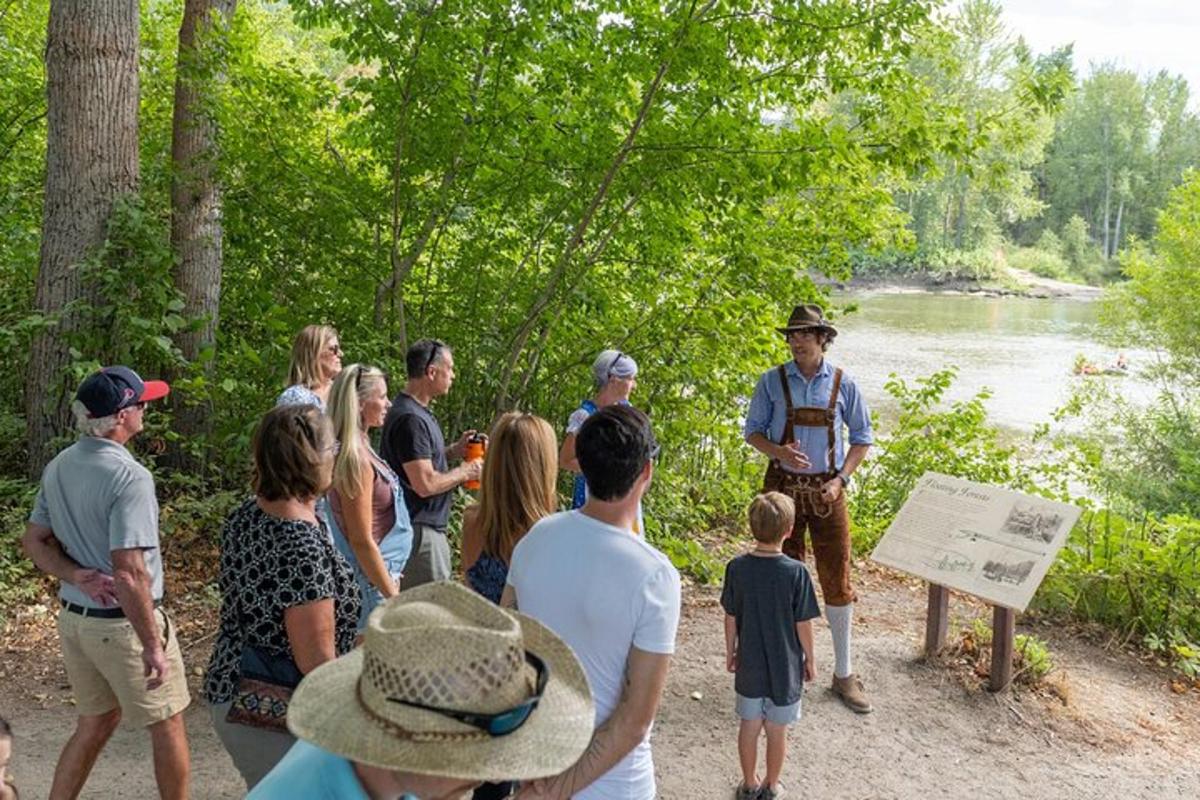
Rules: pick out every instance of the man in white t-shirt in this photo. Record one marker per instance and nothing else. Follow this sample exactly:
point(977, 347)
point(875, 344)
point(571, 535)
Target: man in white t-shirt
point(613, 598)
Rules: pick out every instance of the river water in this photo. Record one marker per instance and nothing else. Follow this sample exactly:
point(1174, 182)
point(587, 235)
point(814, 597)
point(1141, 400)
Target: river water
point(1023, 349)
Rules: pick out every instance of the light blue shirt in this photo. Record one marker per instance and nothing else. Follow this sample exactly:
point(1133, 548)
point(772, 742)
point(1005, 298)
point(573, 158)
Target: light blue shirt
point(309, 773)
point(97, 498)
point(768, 413)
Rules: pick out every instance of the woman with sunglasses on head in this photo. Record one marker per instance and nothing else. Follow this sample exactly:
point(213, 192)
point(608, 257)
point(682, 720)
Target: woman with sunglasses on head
point(289, 601)
point(614, 375)
point(316, 361)
point(366, 508)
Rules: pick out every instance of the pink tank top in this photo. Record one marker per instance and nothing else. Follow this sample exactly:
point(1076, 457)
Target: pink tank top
point(383, 503)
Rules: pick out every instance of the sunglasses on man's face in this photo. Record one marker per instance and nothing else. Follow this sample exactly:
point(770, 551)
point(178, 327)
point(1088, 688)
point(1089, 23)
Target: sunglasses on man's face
point(500, 724)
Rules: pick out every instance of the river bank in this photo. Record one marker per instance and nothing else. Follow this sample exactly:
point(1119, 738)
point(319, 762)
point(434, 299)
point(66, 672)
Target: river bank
point(1014, 283)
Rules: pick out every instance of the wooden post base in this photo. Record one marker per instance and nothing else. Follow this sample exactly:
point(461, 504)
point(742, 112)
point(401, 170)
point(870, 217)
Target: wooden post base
point(937, 620)
point(1004, 626)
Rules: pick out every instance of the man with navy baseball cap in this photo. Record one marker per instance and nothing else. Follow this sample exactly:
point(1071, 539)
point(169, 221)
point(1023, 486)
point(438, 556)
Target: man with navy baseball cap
point(94, 526)
point(114, 389)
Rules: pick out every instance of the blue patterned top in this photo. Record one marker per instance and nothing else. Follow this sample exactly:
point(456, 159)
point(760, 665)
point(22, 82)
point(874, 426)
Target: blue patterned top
point(488, 576)
point(298, 395)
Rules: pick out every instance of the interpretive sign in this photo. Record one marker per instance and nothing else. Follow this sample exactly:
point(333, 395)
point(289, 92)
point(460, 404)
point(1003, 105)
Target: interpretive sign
point(994, 543)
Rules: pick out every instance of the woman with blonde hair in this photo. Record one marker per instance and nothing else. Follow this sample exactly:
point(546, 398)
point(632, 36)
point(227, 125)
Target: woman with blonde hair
point(366, 510)
point(316, 361)
point(517, 489)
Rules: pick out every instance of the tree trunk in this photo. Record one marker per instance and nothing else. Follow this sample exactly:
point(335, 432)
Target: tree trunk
point(1116, 239)
point(960, 222)
point(1107, 209)
point(196, 232)
point(91, 160)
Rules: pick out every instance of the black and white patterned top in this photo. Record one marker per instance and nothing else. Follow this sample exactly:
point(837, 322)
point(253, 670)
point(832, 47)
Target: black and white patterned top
point(270, 564)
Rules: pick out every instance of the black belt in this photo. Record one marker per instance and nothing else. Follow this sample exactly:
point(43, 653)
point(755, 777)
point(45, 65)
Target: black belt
point(99, 613)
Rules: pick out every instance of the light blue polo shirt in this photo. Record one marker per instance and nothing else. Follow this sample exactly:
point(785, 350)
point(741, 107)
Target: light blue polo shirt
point(768, 413)
point(97, 498)
point(308, 772)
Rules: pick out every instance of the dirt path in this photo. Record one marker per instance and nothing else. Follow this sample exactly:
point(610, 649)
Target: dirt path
point(935, 733)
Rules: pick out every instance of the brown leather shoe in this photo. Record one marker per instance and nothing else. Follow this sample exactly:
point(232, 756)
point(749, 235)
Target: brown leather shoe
point(850, 689)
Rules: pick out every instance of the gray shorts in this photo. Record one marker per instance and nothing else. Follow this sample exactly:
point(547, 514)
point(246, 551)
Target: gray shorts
point(752, 708)
point(430, 559)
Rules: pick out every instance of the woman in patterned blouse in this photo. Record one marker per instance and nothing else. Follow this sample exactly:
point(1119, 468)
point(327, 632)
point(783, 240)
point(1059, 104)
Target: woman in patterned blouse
point(316, 361)
point(287, 594)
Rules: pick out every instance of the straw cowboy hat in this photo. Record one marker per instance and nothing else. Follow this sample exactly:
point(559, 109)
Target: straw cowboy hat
point(442, 646)
point(805, 317)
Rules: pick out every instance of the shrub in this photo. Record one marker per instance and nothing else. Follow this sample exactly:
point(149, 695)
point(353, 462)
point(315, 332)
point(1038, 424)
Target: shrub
point(1079, 250)
point(1040, 262)
point(953, 440)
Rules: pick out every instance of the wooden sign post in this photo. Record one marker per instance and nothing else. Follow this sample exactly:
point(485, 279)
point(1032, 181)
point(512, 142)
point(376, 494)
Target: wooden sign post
point(937, 620)
point(987, 541)
point(1004, 628)
point(937, 626)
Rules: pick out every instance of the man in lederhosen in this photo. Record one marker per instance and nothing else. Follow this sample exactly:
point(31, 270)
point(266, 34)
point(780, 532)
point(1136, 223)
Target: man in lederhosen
point(796, 418)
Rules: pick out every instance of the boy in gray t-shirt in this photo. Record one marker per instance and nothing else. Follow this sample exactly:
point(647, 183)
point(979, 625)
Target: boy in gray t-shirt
point(768, 600)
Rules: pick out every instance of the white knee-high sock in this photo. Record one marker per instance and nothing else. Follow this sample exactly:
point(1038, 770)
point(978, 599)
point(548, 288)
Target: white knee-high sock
point(839, 618)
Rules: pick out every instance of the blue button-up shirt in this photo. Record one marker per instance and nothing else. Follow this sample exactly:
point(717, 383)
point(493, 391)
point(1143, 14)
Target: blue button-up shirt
point(768, 413)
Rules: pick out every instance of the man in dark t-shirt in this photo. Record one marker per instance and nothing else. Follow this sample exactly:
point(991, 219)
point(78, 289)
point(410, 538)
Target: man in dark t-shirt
point(413, 445)
point(769, 601)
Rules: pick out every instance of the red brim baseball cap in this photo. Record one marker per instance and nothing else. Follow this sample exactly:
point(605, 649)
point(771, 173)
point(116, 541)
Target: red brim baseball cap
point(112, 389)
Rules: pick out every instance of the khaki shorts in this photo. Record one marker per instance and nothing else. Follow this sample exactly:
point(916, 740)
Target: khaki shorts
point(104, 665)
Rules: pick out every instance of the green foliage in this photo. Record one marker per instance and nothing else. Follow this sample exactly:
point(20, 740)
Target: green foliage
point(1003, 100)
point(1145, 455)
point(1160, 303)
point(1044, 263)
point(1119, 147)
point(1079, 250)
point(134, 308)
point(1031, 655)
point(19, 579)
point(953, 440)
point(1140, 575)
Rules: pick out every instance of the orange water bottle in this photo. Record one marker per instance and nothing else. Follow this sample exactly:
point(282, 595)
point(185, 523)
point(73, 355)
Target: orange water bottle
point(476, 449)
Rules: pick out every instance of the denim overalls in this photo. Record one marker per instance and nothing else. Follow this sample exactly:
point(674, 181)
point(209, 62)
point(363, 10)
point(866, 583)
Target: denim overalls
point(395, 547)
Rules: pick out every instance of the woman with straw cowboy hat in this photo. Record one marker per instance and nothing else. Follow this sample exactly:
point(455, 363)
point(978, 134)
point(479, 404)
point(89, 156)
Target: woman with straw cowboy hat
point(802, 416)
point(447, 691)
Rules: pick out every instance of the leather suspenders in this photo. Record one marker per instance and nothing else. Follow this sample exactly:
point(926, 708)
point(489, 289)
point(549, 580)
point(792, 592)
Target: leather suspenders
point(812, 416)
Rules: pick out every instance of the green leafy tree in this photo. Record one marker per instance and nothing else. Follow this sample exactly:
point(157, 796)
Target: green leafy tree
point(1119, 148)
point(1004, 99)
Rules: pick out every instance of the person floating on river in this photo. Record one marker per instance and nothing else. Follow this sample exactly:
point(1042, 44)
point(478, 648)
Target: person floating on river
point(796, 418)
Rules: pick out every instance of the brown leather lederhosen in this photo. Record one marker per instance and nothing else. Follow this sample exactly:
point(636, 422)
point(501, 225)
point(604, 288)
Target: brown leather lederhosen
point(828, 523)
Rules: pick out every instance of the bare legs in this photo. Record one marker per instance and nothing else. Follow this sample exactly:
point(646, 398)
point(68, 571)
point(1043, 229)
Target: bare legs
point(80, 752)
point(748, 750)
point(776, 749)
point(748, 734)
point(172, 765)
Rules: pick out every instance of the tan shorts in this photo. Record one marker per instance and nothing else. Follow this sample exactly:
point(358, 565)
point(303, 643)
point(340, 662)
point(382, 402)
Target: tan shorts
point(104, 665)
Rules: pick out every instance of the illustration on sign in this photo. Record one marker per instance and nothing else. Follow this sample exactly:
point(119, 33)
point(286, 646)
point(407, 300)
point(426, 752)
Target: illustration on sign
point(987, 541)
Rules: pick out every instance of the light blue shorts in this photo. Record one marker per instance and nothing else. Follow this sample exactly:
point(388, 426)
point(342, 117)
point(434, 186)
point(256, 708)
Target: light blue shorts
point(752, 708)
